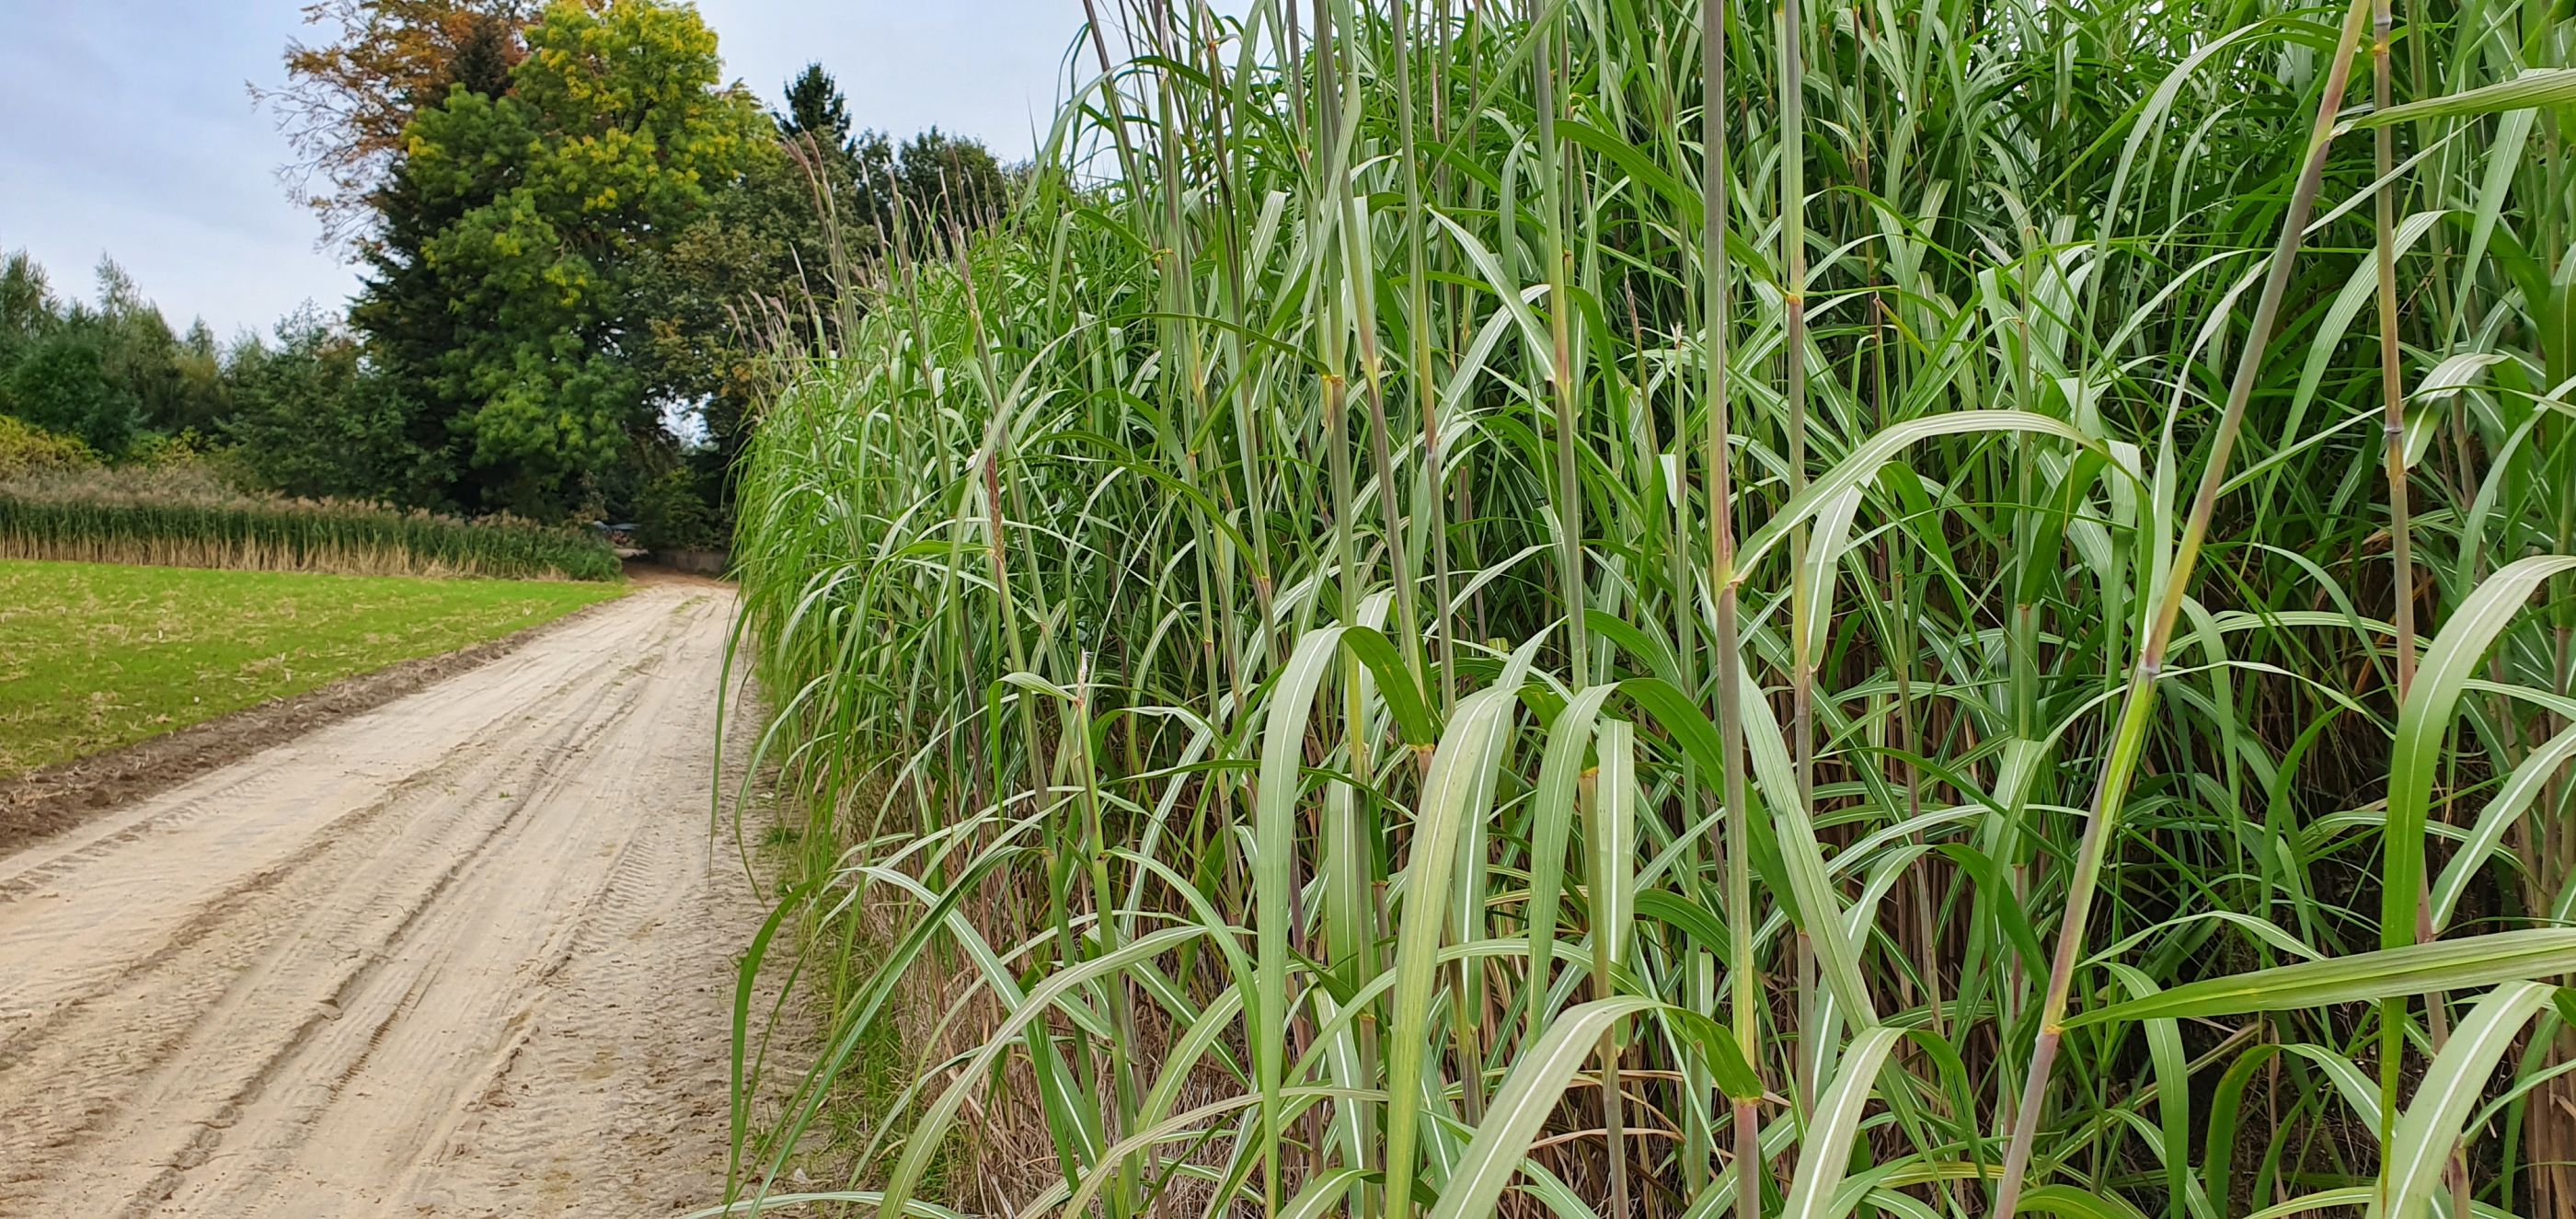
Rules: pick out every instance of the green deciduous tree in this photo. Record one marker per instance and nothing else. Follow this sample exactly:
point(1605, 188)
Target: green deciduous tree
point(532, 215)
point(748, 273)
point(60, 384)
point(27, 304)
point(108, 371)
point(938, 183)
point(169, 380)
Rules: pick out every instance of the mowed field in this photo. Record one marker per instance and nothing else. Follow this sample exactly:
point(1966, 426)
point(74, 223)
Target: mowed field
point(103, 656)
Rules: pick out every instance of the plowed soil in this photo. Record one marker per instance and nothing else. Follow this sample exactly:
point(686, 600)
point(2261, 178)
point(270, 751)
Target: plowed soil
point(469, 952)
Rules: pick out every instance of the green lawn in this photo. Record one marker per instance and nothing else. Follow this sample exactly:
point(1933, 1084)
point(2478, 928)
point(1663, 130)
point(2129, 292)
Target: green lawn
point(93, 657)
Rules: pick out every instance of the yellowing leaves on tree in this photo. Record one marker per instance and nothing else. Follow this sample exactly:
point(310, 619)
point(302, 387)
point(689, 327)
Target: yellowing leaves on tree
point(600, 151)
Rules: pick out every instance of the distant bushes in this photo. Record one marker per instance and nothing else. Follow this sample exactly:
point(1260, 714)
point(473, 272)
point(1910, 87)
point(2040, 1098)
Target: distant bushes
point(61, 384)
point(109, 371)
point(184, 515)
point(312, 417)
point(27, 449)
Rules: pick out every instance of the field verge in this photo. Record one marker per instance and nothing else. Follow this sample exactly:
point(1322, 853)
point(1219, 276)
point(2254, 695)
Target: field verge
point(103, 656)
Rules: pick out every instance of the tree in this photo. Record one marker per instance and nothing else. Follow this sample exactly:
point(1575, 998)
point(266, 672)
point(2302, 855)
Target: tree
point(814, 133)
point(815, 109)
point(761, 268)
point(672, 511)
point(141, 357)
point(483, 58)
point(312, 418)
point(146, 376)
point(938, 181)
point(60, 384)
point(535, 211)
point(346, 102)
point(27, 305)
point(407, 311)
point(204, 393)
point(748, 271)
point(938, 184)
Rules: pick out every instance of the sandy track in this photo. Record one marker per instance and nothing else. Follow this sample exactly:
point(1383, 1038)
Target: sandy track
point(469, 953)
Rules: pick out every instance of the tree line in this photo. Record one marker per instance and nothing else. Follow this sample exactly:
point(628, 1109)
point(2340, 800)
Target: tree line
point(575, 240)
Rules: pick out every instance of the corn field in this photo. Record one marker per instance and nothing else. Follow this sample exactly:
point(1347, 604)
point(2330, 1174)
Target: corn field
point(253, 534)
point(1630, 607)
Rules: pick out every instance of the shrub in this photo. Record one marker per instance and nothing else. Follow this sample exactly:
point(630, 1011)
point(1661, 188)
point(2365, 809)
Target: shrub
point(28, 449)
point(313, 419)
point(61, 385)
point(672, 514)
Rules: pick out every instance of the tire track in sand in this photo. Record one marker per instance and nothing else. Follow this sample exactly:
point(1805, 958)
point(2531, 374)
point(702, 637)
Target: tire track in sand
point(468, 953)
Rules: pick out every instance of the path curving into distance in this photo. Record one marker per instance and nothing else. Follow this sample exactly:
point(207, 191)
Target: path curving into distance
point(469, 953)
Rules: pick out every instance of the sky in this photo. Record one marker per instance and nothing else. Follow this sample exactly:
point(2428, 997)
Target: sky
point(126, 127)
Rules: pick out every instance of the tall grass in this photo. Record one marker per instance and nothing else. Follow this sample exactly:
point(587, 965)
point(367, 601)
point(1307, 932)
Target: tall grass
point(1958, 609)
point(170, 518)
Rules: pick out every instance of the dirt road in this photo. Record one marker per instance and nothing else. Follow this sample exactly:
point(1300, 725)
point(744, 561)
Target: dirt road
point(469, 953)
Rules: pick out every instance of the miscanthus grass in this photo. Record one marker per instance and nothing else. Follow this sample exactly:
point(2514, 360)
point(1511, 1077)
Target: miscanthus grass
point(96, 517)
point(1602, 607)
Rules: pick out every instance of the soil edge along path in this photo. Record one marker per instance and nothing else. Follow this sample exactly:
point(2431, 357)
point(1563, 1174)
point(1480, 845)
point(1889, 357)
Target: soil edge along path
point(467, 953)
point(51, 799)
